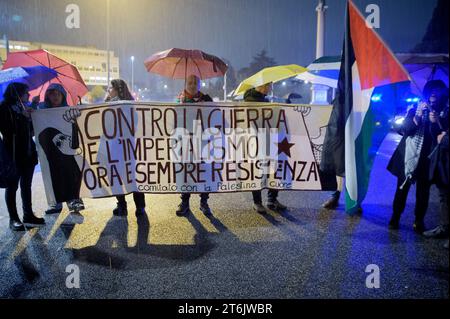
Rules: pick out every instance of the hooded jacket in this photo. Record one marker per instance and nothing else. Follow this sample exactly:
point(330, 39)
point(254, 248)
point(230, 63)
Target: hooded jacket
point(46, 104)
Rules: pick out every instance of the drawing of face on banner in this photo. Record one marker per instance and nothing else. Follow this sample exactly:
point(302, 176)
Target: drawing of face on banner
point(64, 156)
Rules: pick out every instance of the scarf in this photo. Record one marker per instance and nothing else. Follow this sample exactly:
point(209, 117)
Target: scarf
point(413, 147)
point(186, 97)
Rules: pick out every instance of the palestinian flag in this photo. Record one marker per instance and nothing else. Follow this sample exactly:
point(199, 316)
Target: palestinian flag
point(369, 80)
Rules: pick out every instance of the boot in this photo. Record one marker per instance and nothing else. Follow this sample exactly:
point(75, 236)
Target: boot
point(16, 225)
point(183, 209)
point(29, 218)
point(333, 201)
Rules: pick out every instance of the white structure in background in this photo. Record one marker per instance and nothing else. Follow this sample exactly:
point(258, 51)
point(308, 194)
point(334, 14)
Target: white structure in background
point(323, 74)
point(320, 92)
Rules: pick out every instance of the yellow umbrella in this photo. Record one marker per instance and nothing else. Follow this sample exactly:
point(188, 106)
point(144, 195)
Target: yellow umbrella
point(269, 75)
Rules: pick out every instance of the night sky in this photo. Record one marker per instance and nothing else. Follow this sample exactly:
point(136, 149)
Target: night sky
point(232, 29)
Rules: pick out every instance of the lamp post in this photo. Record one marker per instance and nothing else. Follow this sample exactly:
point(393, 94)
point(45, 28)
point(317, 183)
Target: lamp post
point(225, 86)
point(108, 59)
point(320, 37)
point(132, 74)
point(318, 90)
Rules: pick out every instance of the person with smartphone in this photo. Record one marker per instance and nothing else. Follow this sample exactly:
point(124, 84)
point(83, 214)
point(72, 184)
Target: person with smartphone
point(410, 162)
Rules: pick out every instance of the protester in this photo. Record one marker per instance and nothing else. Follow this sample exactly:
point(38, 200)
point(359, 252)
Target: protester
point(410, 162)
point(259, 94)
point(56, 96)
point(439, 162)
point(16, 129)
point(118, 91)
point(192, 94)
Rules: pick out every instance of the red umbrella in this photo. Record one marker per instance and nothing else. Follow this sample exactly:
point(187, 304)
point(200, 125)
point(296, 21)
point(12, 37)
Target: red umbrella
point(68, 75)
point(179, 63)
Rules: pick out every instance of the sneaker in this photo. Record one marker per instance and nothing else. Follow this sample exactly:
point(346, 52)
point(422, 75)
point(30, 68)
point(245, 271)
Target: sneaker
point(79, 206)
point(183, 209)
point(440, 231)
point(205, 209)
point(276, 206)
point(76, 205)
point(333, 201)
point(31, 219)
point(259, 208)
point(120, 210)
point(16, 225)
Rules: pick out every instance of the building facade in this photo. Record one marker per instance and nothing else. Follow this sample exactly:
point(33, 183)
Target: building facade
point(90, 62)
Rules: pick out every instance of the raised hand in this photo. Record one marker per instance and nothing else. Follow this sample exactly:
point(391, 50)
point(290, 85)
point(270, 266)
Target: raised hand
point(72, 114)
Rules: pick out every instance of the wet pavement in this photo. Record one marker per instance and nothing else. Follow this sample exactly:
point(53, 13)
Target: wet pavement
point(306, 252)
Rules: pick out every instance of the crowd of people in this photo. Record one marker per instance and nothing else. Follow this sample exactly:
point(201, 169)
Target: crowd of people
point(421, 157)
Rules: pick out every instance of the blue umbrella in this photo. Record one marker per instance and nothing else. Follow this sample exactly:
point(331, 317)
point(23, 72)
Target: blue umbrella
point(34, 77)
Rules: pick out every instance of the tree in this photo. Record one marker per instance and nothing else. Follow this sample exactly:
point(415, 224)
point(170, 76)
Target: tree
point(435, 39)
point(216, 88)
point(97, 93)
point(260, 61)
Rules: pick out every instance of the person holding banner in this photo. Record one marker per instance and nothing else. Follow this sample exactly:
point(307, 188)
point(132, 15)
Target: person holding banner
point(118, 91)
point(56, 96)
point(192, 94)
point(16, 130)
point(259, 94)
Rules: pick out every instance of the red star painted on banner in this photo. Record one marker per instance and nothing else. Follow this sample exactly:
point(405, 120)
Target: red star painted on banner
point(285, 147)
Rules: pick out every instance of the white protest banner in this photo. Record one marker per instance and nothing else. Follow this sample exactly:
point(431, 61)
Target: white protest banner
point(117, 148)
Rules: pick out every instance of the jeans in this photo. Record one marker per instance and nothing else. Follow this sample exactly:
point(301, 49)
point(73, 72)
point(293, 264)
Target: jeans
point(25, 179)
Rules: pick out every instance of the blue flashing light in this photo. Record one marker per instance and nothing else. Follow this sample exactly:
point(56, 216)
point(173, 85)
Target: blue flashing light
point(412, 100)
point(376, 98)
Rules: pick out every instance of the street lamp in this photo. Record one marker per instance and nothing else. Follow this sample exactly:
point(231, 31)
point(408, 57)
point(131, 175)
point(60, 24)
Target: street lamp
point(132, 73)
